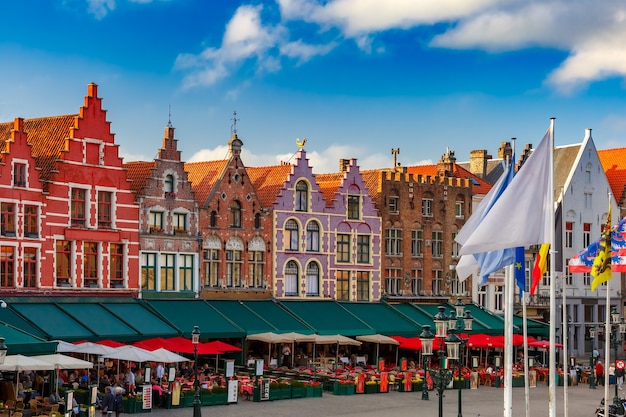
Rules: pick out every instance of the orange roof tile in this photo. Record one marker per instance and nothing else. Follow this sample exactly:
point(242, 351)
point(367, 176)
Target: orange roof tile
point(137, 172)
point(203, 176)
point(614, 164)
point(268, 181)
point(329, 184)
point(479, 185)
point(47, 136)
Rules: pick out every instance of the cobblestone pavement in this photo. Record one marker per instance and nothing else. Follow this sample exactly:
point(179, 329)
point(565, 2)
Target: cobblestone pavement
point(484, 402)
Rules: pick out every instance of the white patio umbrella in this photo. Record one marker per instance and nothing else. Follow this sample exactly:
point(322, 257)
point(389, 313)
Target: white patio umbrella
point(90, 348)
point(63, 346)
point(334, 339)
point(132, 353)
point(60, 361)
point(166, 356)
point(297, 338)
point(270, 338)
point(18, 363)
point(378, 339)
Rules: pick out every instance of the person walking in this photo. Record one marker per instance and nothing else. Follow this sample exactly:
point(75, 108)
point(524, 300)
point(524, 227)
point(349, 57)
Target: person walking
point(599, 373)
point(108, 403)
point(619, 377)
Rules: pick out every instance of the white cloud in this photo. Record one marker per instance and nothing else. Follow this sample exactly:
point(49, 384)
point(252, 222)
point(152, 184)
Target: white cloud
point(100, 8)
point(303, 52)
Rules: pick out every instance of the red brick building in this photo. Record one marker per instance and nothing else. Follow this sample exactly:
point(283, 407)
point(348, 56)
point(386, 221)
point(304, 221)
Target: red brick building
point(169, 256)
point(69, 220)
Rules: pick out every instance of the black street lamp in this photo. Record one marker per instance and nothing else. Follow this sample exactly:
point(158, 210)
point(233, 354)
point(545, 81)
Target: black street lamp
point(461, 321)
point(426, 337)
point(592, 360)
point(618, 328)
point(195, 339)
point(443, 376)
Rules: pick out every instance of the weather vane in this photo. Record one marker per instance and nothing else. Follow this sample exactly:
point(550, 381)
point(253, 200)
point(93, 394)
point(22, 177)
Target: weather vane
point(395, 152)
point(300, 143)
point(234, 126)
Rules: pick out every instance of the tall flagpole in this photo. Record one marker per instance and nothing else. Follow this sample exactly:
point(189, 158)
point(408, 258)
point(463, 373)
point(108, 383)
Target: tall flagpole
point(607, 331)
point(508, 341)
point(526, 370)
point(552, 355)
point(564, 341)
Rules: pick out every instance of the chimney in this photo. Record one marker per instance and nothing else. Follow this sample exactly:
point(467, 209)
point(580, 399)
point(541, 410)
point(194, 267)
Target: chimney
point(478, 162)
point(445, 166)
point(505, 151)
point(343, 165)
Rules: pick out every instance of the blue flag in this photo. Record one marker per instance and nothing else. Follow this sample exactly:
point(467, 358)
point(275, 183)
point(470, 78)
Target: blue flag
point(520, 269)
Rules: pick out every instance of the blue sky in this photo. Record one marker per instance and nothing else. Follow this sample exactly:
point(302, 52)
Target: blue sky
point(356, 77)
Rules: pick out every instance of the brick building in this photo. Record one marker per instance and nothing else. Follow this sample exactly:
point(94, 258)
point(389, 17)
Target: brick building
point(69, 220)
point(169, 256)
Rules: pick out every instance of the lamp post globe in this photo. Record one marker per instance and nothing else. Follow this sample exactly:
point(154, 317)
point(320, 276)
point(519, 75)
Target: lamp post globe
point(195, 339)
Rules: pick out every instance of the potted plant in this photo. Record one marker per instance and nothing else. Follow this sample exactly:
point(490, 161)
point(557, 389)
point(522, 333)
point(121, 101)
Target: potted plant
point(417, 384)
point(344, 387)
point(371, 386)
point(313, 389)
point(279, 390)
point(298, 390)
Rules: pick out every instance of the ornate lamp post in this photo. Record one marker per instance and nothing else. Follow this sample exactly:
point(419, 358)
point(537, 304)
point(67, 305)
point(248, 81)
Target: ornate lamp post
point(618, 328)
point(195, 339)
point(426, 337)
point(443, 376)
point(461, 321)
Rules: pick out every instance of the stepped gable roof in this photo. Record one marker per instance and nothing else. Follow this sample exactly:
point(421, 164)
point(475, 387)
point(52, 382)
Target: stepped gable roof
point(268, 181)
point(138, 172)
point(614, 164)
point(47, 136)
point(329, 184)
point(480, 186)
point(203, 176)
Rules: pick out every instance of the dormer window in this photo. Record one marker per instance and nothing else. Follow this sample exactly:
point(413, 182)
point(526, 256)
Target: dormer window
point(302, 196)
point(169, 183)
point(19, 175)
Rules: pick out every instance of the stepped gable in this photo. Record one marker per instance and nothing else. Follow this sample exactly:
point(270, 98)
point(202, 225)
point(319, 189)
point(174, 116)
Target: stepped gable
point(479, 185)
point(203, 177)
point(268, 181)
point(614, 164)
point(138, 173)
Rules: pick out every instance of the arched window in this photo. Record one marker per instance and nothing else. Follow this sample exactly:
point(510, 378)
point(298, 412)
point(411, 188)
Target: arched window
point(291, 279)
point(292, 232)
point(169, 183)
point(235, 214)
point(213, 220)
point(313, 237)
point(302, 196)
point(313, 280)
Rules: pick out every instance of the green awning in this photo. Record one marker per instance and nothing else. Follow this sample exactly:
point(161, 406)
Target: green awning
point(100, 321)
point(53, 321)
point(243, 317)
point(185, 314)
point(415, 315)
point(485, 322)
point(141, 319)
point(383, 318)
point(328, 317)
point(279, 318)
point(535, 327)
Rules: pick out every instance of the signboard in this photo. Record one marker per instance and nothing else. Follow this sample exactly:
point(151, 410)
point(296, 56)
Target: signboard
point(620, 364)
point(171, 375)
point(408, 382)
point(403, 366)
point(474, 380)
point(146, 391)
point(233, 390)
point(265, 389)
point(381, 364)
point(230, 368)
point(69, 399)
point(360, 384)
point(384, 382)
point(94, 394)
point(258, 367)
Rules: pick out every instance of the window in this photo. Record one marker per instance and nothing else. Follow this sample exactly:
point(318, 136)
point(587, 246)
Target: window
point(292, 232)
point(313, 237)
point(291, 279)
point(235, 214)
point(31, 221)
point(417, 243)
point(156, 221)
point(458, 210)
point(313, 280)
point(169, 184)
point(343, 285)
point(437, 281)
point(457, 287)
point(569, 234)
point(482, 296)
point(393, 280)
point(185, 273)
point(148, 271)
point(588, 201)
point(437, 244)
point(7, 218)
point(302, 196)
point(255, 268)
point(233, 268)
point(167, 266)
point(211, 267)
point(417, 281)
point(393, 242)
point(180, 222)
point(90, 265)
point(343, 247)
point(213, 219)
point(394, 204)
point(354, 207)
point(568, 274)
point(362, 286)
point(586, 279)
point(63, 258)
point(30, 267)
point(7, 267)
point(499, 298)
point(363, 249)
point(19, 175)
point(78, 206)
point(586, 234)
point(116, 265)
point(104, 209)
point(427, 207)
point(257, 220)
point(456, 248)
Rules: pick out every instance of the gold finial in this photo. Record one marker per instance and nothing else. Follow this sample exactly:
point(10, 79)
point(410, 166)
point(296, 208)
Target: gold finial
point(395, 153)
point(300, 143)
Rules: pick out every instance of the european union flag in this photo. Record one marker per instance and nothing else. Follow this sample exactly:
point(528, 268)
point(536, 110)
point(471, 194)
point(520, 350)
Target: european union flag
point(520, 269)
